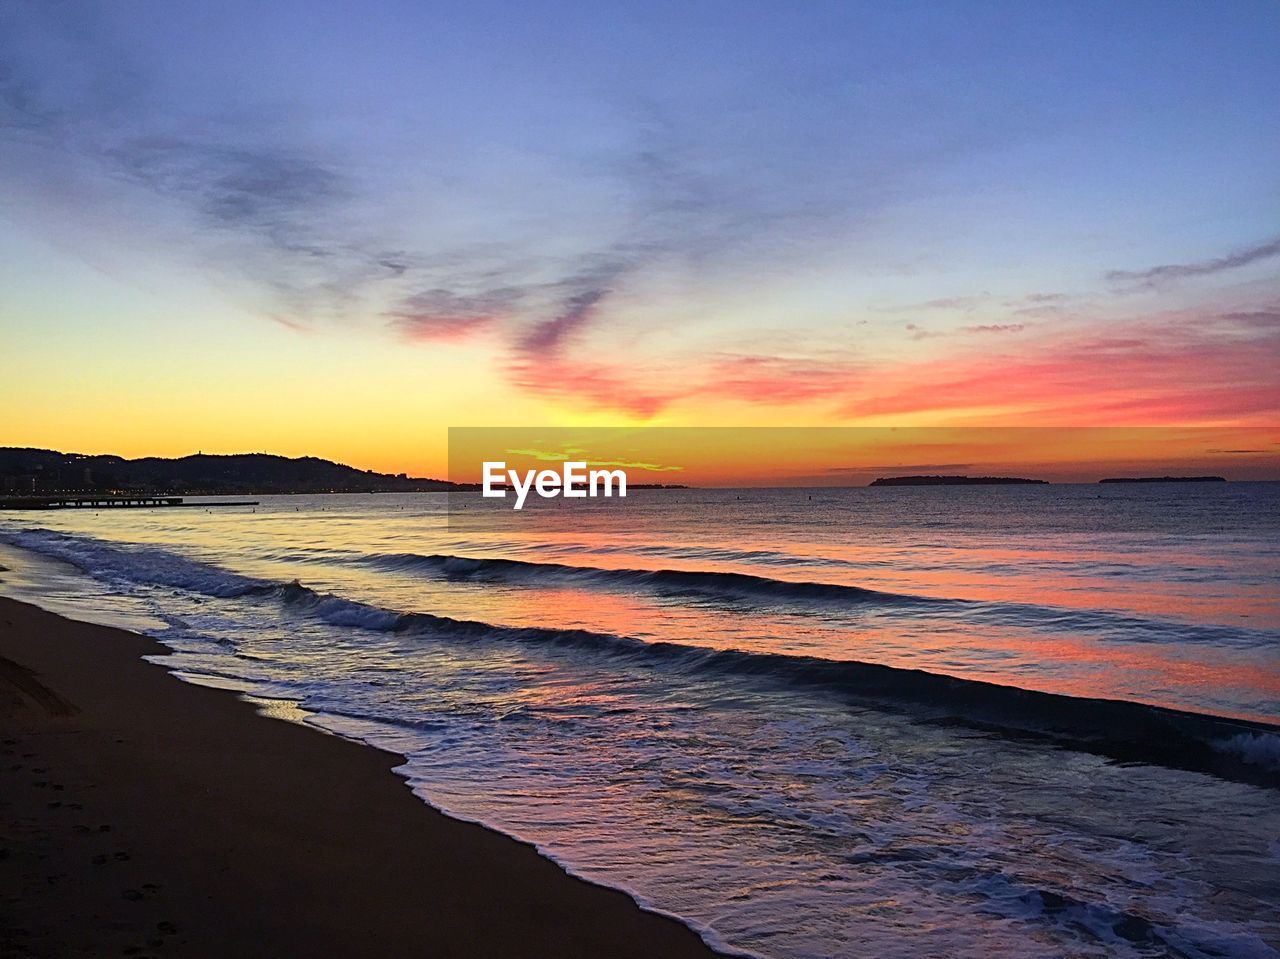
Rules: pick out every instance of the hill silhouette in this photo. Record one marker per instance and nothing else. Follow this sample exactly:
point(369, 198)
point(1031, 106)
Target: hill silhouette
point(27, 471)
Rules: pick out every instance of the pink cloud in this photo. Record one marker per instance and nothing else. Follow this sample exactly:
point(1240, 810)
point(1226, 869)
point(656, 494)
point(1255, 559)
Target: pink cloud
point(435, 328)
point(776, 380)
point(644, 392)
point(597, 386)
point(1183, 370)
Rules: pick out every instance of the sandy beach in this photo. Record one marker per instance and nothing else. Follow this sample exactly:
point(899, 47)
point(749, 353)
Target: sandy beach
point(145, 816)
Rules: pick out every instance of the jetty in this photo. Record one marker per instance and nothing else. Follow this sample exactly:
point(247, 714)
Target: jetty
point(109, 502)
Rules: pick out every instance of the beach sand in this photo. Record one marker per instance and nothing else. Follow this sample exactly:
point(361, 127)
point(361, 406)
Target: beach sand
point(146, 816)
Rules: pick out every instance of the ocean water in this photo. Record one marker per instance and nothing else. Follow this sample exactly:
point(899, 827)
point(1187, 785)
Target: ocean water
point(1013, 721)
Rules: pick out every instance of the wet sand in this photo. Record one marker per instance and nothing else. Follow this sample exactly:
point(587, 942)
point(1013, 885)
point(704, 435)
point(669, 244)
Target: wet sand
point(145, 816)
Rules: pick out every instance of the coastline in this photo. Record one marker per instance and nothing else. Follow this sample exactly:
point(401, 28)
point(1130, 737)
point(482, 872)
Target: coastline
point(147, 816)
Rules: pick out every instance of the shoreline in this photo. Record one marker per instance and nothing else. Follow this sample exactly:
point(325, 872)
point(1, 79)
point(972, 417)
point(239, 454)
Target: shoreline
point(148, 816)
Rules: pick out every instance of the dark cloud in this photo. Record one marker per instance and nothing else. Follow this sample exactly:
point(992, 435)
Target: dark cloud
point(1254, 320)
point(263, 210)
point(1178, 271)
point(579, 310)
point(276, 193)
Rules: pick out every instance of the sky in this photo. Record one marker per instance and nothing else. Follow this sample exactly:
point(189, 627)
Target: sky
point(341, 228)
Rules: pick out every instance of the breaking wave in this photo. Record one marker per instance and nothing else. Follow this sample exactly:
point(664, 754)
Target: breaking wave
point(1234, 749)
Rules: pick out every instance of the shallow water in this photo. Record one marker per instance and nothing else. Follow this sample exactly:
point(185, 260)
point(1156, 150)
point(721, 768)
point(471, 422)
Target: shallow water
point(664, 693)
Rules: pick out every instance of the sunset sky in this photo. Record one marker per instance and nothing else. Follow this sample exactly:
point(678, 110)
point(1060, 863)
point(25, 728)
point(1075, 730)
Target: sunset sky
point(338, 229)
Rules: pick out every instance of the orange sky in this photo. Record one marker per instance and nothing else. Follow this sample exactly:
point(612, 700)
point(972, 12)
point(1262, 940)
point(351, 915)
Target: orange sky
point(841, 456)
point(803, 225)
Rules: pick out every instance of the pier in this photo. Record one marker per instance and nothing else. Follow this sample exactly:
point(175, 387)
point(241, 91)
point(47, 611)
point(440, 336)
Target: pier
point(109, 502)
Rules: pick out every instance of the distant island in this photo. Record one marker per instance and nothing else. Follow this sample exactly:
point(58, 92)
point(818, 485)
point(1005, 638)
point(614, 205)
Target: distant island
point(954, 481)
point(35, 471)
point(1164, 479)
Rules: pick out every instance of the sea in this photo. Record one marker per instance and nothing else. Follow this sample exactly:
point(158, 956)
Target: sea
point(1031, 721)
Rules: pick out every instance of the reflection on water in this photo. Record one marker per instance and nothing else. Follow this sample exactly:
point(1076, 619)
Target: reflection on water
point(787, 819)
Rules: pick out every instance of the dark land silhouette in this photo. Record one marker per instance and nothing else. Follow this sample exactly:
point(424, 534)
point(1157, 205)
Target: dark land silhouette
point(35, 471)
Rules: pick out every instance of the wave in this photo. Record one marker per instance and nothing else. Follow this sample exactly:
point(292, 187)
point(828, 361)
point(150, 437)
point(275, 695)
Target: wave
point(724, 584)
point(752, 588)
point(1236, 749)
point(136, 564)
point(1119, 929)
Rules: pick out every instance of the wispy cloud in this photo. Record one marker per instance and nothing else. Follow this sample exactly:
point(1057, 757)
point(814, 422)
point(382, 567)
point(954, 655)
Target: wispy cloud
point(576, 300)
point(1183, 368)
point(571, 274)
point(921, 333)
point(994, 328)
point(442, 315)
point(1177, 271)
point(644, 389)
point(939, 303)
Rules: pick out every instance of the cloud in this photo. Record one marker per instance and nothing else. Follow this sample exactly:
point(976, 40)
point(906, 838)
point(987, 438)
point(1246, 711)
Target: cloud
point(291, 324)
point(1178, 368)
point(920, 333)
point(594, 385)
point(1254, 320)
point(644, 390)
point(281, 199)
point(442, 315)
point(769, 380)
point(941, 303)
point(994, 328)
point(579, 310)
point(271, 191)
point(1183, 368)
point(568, 283)
point(1177, 271)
